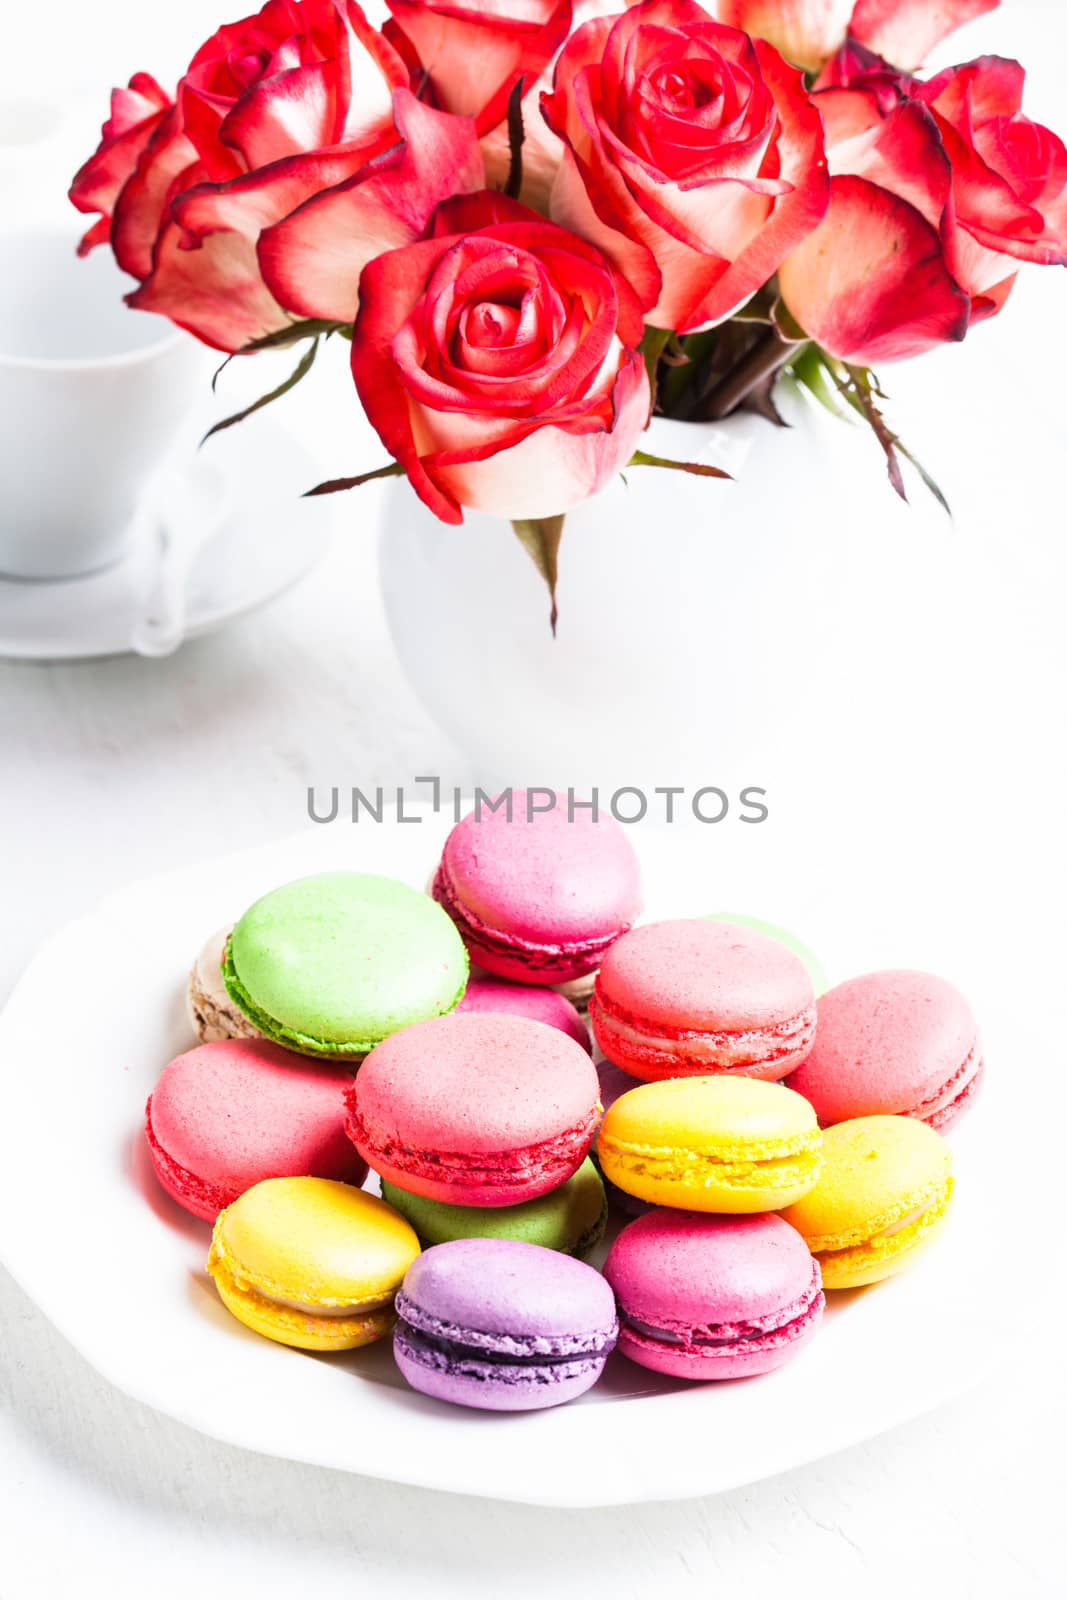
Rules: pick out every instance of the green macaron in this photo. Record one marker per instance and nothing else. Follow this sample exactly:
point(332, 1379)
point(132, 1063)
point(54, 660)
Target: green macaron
point(331, 965)
point(571, 1218)
point(816, 970)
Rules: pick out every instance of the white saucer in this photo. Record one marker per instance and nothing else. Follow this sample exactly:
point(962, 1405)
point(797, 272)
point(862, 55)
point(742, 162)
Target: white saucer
point(269, 538)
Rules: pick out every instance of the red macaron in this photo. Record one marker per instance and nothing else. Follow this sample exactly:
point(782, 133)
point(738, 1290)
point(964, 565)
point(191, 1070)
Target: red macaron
point(699, 996)
point(475, 1109)
point(897, 1043)
point(228, 1114)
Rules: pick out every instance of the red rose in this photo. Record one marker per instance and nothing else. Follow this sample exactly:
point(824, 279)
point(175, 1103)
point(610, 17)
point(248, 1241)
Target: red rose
point(810, 31)
point(273, 111)
point(468, 55)
point(473, 52)
point(498, 361)
point(694, 157)
point(939, 190)
point(1009, 178)
point(136, 113)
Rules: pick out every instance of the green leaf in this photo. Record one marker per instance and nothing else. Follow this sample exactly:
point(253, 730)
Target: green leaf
point(540, 537)
point(930, 482)
point(860, 388)
point(293, 333)
point(338, 485)
point(857, 391)
point(283, 338)
point(641, 458)
point(761, 308)
point(808, 369)
point(301, 370)
point(516, 139)
point(786, 325)
point(652, 346)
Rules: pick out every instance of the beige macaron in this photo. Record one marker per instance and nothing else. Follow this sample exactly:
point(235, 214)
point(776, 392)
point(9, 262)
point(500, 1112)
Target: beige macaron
point(211, 1011)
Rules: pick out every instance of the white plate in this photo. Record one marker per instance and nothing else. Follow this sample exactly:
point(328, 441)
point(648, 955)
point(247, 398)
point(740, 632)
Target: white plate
point(269, 539)
point(120, 1269)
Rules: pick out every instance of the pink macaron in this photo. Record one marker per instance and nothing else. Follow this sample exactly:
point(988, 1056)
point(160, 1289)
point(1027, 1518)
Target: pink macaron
point(538, 895)
point(699, 996)
point(713, 1297)
point(228, 1114)
point(498, 996)
point(892, 1043)
point(475, 1109)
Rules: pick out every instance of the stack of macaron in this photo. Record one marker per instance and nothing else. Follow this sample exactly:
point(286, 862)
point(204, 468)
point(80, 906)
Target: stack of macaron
point(761, 1137)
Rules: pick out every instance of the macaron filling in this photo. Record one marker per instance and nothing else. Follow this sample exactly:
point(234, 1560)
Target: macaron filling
point(558, 960)
point(355, 1323)
point(757, 1166)
point(317, 1309)
point(562, 1153)
point(480, 1354)
point(885, 1239)
point(370, 1317)
point(676, 1051)
point(775, 1328)
point(945, 1106)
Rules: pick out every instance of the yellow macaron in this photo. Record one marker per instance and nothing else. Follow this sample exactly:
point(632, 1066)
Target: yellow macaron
point(310, 1262)
point(882, 1197)
point(711, 1144)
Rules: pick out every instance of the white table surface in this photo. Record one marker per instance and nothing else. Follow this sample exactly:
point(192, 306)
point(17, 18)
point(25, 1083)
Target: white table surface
point(115, 769)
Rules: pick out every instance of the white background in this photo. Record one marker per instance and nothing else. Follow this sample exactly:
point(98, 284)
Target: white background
point(122, 767)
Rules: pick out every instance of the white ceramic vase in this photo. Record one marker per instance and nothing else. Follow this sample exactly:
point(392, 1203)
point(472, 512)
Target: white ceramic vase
point(709, 632)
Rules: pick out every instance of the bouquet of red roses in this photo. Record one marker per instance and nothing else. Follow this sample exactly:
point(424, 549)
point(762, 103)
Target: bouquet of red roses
point(537, 220)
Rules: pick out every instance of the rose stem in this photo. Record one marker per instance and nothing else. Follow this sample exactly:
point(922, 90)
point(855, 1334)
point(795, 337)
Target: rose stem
point(763, 361)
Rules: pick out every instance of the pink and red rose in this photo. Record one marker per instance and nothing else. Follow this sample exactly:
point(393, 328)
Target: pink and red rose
point(136, 113)
point(694, 157)
point(273, 111)
point(939, 190)
point(498, 361)
point(474, 52)
point(809, 32)
point(468, 56)
point(1009, 178)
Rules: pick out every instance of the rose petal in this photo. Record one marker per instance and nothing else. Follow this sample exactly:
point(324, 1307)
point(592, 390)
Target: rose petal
point(313, 259)
point(901, 152)
point(551, 469)
point(474, 54)
point(139, 210)
point(136, 113)
point(870, 284)
point(294, 111)
point(205, 275)
point(906, 31)
point(807, 32)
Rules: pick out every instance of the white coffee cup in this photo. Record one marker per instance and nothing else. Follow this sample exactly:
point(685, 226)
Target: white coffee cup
point(93, 397)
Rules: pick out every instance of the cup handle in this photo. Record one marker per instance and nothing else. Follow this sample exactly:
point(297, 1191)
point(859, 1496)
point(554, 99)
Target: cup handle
point(184, 521)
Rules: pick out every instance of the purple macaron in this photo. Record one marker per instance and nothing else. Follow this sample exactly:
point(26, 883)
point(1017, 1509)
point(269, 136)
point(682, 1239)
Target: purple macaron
point(502, 1325)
